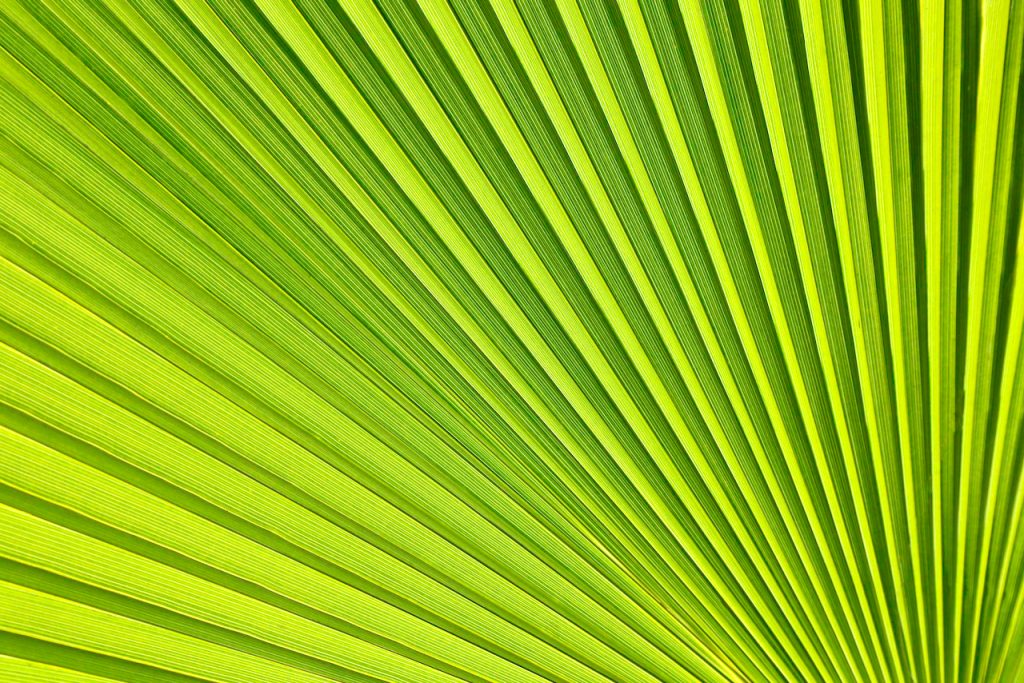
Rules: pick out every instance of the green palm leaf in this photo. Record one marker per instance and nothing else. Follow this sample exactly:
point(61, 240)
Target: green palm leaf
point(511, 340)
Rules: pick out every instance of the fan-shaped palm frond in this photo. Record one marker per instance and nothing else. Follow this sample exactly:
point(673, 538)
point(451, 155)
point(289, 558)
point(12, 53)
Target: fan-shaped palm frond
point(511, 340)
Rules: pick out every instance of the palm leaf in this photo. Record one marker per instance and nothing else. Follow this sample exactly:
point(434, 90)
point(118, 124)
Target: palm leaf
point(511, 340)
